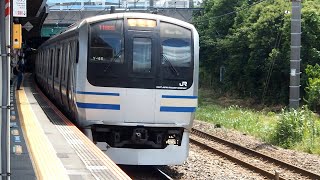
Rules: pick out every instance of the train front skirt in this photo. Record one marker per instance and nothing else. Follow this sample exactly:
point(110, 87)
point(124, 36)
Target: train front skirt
point(171, 155)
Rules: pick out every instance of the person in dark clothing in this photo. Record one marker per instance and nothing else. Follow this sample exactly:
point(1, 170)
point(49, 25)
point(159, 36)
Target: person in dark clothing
point(20, 69)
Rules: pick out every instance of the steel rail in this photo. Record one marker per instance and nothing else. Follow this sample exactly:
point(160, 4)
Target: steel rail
point(162, 174)
point(283, 164)
point(236, 160)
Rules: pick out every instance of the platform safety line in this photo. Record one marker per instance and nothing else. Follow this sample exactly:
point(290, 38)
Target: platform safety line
point(86, 155)
point(47, 164)
point(102, 156)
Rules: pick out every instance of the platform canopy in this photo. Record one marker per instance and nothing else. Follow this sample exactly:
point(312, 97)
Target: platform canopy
point(31, 25)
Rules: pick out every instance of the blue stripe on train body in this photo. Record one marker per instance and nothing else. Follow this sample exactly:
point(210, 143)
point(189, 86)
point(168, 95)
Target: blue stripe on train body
point(99, 93)
point(163, 108)
point(187, 108)
point(98, 105)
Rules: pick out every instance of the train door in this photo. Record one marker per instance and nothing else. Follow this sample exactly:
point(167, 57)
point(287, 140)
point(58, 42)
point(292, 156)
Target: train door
point(62, 74)
point(71, 79)
point(141, 50)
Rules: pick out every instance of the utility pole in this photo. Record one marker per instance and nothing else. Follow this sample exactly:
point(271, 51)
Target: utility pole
point(295, 55)
point(5, 23)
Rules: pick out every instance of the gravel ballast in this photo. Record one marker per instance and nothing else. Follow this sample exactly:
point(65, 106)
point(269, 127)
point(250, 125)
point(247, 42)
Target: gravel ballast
point(202, 164)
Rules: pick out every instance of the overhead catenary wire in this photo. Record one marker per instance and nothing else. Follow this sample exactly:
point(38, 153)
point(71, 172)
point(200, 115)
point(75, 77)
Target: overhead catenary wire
point(78, 10)
point(68, 11)
point(232, 12)
point(81, 10)
point(101, 11)
point(236, 11)
point(276, 46)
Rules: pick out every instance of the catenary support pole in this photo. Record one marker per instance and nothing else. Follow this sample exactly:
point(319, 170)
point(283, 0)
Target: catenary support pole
point(5, 97)
point(295, 54)
point(2, 53)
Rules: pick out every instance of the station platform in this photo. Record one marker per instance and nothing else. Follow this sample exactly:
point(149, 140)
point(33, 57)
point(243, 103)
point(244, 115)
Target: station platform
point(46, 145)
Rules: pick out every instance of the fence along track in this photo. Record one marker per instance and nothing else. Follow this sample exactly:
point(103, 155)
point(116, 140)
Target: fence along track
point(282, 164)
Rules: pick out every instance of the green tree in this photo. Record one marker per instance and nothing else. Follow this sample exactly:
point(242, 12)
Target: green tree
point(252, 40)
point(313, 87)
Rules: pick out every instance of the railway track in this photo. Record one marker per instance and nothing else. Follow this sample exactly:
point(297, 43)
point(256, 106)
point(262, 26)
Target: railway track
point(162, 174)
point(265, 165)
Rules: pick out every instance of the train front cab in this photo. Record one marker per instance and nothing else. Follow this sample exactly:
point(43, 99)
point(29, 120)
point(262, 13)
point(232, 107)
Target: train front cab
point(142, 94)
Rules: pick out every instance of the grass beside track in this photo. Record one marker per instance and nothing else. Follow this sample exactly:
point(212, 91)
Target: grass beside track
point(299, 130)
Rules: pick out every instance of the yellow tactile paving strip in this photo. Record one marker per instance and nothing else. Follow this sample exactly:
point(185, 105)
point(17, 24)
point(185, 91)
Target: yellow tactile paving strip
point(47, 164)
point(92, 157)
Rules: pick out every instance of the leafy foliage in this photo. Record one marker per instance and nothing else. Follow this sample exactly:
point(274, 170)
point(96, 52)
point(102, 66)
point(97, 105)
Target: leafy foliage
point(313, 87)
point(251, 40)
point(294, 127)
point(297, 129)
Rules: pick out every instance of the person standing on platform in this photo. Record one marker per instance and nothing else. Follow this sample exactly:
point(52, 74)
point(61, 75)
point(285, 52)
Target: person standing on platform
point(20, 69)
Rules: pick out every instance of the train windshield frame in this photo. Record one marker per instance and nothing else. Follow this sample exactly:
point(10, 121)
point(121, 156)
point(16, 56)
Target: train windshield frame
point(159, 57)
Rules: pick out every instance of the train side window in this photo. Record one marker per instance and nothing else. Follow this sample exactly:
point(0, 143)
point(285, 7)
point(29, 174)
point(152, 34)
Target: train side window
point(46, 62)
point(40, 63)
point(61, 61)
point(77, 52)
point(67, 62)
point(71, 57)
point(37, 62)
point(73, 52)
point(51, 61)
point(141, 57)
point(64, 59)
point(57, 63)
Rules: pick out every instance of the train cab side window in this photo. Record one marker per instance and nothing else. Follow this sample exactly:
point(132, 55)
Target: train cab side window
point(106, 42)
point(176, 45)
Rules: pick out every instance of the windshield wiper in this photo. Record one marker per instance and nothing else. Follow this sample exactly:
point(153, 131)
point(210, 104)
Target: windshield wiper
point(170, 64)
point(112, 61)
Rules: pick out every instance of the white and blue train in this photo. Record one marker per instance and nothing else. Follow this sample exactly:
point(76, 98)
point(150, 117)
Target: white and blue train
point(130, 80)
